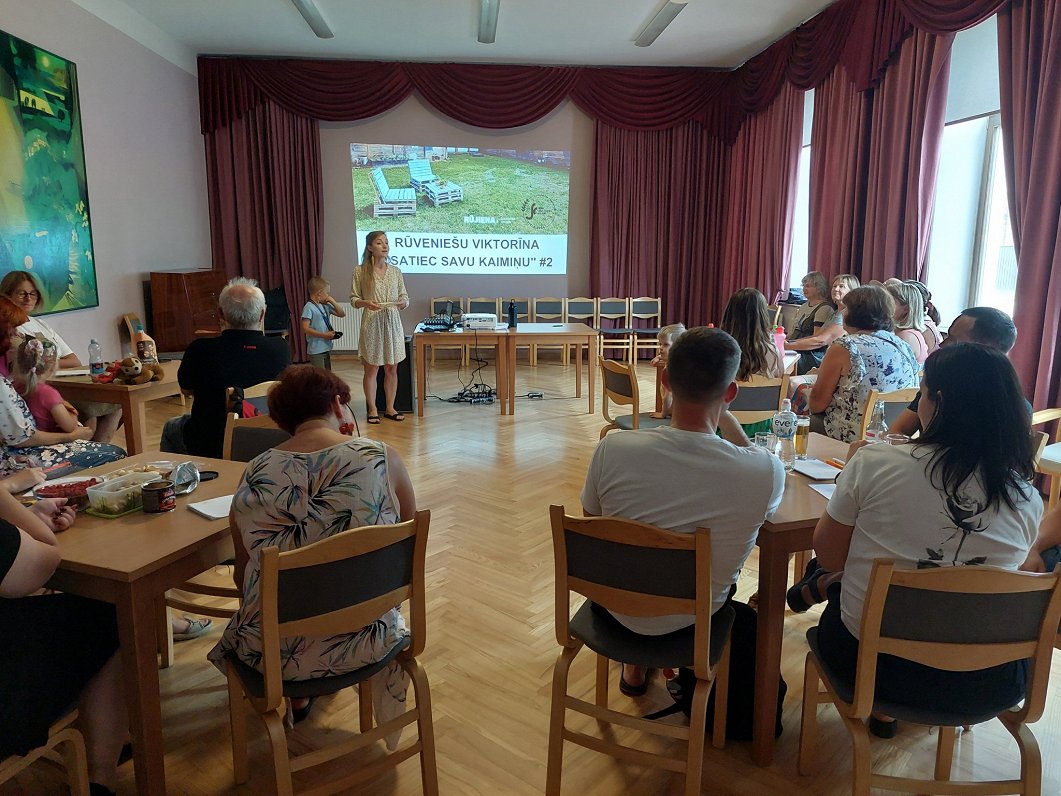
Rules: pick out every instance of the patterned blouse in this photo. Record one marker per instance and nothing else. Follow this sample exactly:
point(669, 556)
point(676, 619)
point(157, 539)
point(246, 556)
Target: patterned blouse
point(288, 499)
point(879, 361)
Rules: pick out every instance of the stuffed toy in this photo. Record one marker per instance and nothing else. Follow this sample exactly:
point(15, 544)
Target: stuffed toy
point(112, 372)
point(133, 371)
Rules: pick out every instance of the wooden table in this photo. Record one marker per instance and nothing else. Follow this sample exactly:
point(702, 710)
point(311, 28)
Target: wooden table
point(131, 562)
point(574, 334)
point(130, 397)
point(790, 530)
point(467, 338)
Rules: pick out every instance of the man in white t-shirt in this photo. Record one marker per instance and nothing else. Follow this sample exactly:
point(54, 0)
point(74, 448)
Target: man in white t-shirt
point(684, 476)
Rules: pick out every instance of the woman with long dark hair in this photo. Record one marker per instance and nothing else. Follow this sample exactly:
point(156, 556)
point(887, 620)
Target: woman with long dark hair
point(747, 320)
point(959, 495)
point(379, 289)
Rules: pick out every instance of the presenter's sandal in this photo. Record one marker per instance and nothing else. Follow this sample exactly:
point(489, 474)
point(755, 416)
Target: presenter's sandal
point(398, 416)
point(373, 420)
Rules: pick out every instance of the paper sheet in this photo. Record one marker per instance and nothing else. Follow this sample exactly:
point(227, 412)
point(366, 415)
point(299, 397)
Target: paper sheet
point(825, 490)
point(816, 469)
point(213, 509)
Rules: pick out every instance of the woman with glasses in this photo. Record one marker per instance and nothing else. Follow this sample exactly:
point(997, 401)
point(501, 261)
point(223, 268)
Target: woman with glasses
point(22, 288)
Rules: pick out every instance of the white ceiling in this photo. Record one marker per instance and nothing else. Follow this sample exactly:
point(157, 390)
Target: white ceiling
point(707, 33)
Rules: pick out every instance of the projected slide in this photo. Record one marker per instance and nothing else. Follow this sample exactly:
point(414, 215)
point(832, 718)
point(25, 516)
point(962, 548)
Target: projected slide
point(462, 210)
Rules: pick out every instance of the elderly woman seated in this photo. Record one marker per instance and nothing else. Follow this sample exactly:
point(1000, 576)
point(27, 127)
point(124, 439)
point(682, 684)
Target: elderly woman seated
point(816, 325)
point(869, 357)
point(317, 484)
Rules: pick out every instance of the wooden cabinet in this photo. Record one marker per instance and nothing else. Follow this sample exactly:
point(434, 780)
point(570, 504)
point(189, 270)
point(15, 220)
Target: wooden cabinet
point(181, 302)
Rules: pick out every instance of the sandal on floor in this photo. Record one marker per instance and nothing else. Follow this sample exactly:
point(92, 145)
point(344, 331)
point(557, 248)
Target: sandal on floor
point(811, 576)
point(882, 728)
point(634, 690)
point(373, 420)
point(196, 627)
point(397, 416)
point(302, 713)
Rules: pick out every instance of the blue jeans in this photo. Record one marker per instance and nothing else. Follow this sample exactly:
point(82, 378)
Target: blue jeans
point(1051, 557)
point(173, 435)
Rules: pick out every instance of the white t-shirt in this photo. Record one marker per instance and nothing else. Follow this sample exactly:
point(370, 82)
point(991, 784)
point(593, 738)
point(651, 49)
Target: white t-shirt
point(886, 494)
point(682, 480)
point(35, 327)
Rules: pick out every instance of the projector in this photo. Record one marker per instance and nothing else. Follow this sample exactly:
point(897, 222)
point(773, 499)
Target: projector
point(479, 320)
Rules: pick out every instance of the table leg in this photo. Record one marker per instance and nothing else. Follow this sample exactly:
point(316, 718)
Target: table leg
point(578, 372)
point(135, 419)
point(421, 378)
point(592, 376)
point(505, 377)
point(136, 633)
point(773, 578)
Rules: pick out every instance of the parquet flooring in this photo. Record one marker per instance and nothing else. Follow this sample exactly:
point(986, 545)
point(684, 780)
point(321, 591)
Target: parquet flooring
point(488, 481)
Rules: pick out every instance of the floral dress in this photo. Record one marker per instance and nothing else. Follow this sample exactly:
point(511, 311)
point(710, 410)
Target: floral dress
point(382, 338)
point(288, 500)
point(879, 361)
point(17, 425)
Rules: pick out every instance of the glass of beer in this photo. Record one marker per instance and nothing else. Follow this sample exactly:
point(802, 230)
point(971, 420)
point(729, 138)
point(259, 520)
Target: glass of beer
point(802, 436)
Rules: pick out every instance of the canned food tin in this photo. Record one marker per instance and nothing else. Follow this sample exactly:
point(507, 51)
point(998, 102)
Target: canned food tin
point(159, 496)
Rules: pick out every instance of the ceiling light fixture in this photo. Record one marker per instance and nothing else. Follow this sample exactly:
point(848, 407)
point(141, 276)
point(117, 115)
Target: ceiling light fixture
point(309, 11)
point(488, 20)
point(656, 25)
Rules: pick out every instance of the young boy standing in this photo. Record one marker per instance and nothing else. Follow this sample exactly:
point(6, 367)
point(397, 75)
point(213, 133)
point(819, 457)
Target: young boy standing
point(315, 324)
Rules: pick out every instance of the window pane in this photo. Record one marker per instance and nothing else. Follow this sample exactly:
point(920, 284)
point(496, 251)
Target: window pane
point(801, 222)
point(997, 284)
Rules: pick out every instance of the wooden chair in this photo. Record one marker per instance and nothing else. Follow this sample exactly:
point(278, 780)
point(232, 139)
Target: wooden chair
point(546, 310)
point(759, 399)
point(613, 326)
point(484, 304)
point(641, 570)
point(582, 310)
point(1049, 462)
point(330, 588)
point(647, 311)
point(952, 618)
point(245, 438)
point(894, 404)
point(439, 304)
point(391, 201)
point(65, 746)
point(619, 383)
point(775, 315)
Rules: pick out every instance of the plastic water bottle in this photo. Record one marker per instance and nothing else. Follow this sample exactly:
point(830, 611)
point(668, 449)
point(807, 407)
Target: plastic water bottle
point(511, 314)
point(95, 357)
point(779, 343)
point(784, 427)
point(878, 426)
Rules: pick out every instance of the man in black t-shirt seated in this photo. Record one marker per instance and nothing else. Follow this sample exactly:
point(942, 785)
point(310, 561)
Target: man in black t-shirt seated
point(241, 357)
point(984, 325)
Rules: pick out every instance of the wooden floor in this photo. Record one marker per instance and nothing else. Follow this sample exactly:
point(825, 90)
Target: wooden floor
point(488, 481)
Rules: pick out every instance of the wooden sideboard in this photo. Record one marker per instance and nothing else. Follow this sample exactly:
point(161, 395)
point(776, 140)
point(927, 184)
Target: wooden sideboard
point(181, 302)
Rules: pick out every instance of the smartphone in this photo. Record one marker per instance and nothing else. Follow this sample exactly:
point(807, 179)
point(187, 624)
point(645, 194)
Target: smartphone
point(207, 475)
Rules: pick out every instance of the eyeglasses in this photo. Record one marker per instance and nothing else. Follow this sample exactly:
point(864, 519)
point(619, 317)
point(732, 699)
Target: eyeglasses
point(23, 295)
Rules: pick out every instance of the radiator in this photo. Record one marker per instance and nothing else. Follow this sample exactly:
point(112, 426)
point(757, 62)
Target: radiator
point(350, 326)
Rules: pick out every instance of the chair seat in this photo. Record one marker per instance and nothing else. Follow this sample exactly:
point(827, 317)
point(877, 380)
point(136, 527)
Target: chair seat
point(653, 332)
point(626, 422)
point(605, 635)
point(915, 714)
point(624, 332)
point(1050, 462)
point(254, 682)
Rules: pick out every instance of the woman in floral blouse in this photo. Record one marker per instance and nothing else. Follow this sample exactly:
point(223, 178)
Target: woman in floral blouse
point(317, 484)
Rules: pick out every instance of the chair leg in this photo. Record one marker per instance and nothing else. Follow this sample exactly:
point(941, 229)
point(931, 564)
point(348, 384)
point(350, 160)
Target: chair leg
point(808, 726)
point(601, 690)
point(1055, 490)
point(364, 704)
point(718, 730)
point(861, 764)
point(164, 633)
point(944, 753)
point(557, 712)
point(1031, 762)
point(424, 726)
point(274, 726)
point(75, 759)
point(694, 760)
point(237, 722)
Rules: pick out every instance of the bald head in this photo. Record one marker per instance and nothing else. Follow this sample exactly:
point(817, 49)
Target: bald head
point(241, 304)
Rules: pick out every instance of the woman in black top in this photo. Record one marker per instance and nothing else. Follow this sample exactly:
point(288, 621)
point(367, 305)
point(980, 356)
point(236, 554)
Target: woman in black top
point(61, 650)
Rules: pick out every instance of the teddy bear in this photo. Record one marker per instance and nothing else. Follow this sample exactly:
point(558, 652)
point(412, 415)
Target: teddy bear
point(133, 371)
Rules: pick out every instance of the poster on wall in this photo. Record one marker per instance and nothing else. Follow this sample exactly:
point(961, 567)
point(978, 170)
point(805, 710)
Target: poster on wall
point(44, 217)
point(464, 210)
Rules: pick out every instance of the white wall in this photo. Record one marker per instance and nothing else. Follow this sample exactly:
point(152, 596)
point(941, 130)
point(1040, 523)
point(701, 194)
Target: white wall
point(413, 122)
point(144, 160)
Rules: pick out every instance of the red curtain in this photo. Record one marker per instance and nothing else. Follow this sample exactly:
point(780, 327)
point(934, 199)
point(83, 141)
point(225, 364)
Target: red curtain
point(657, 229)
point(905, 130)
point(760, 201)
point(1029, 44)
point(264, 172)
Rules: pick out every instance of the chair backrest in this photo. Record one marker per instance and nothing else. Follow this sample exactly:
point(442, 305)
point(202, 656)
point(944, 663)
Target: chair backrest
point(255, 395)
point(758, 399)
point(774, 311)
point(614, 310)
point(420, 169)
point(380, 183)
point(894, 404)
point(646, 308)
point(130, 320)
point(619, 385)
point(340, 584)
point(1048, 416)
point(633, 568)
point(549, 309)
point(523, 308)
point(439, 304)
point(247, 437)
point(483, 304)
point(1039, 441)
point(582, 309)
point(959, 619)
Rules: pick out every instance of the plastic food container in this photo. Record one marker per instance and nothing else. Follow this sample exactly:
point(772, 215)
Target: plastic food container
point(120, 495)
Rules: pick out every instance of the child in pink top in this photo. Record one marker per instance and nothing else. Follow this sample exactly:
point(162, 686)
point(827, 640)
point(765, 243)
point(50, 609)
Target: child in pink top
point(35, 362)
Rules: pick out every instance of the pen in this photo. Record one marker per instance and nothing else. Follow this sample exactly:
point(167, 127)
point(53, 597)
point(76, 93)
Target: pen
point(837, 463)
